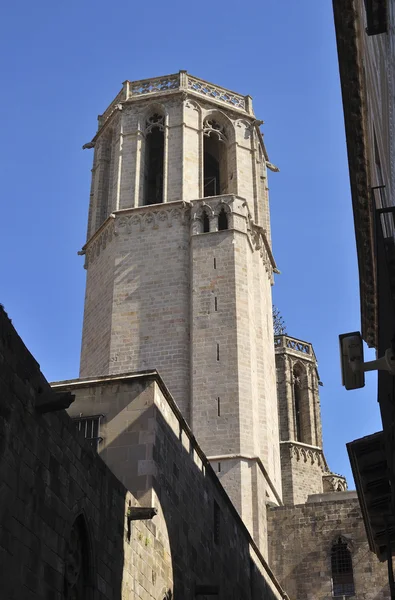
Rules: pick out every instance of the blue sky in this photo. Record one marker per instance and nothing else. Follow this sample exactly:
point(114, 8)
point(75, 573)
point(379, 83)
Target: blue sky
point(62, 63)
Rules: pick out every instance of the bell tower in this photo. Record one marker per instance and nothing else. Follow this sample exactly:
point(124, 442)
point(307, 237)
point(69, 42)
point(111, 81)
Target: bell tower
point(303, 465)
point(180, 268)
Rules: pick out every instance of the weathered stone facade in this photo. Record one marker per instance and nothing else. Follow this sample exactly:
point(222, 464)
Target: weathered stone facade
point(301, 540)
point(179, 280)
point(63, 513)
point(304, 470)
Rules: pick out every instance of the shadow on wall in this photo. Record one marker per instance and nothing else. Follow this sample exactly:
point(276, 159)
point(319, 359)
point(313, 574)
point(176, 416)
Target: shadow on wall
point(202, 549)
point(316, 530)
point(62, 512)
point(63, 531)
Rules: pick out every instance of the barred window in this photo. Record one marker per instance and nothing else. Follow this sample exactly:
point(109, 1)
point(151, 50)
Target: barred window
point(342, 571)
point(90, 428)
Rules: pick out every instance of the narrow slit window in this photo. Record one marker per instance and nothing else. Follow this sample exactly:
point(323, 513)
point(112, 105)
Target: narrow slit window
point(217, 351)
point(216, 304)
point(219, 467)
point(219, 406)
point(215, 263)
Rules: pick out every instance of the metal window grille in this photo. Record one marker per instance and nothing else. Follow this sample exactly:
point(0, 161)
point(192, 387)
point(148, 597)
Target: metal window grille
point(90, 429)
point(342, 571)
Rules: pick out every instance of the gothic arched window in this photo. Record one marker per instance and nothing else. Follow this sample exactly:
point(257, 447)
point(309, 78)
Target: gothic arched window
point(222, 220)
point(215, 159)
point(342, 571)
point(154, 158)
point(76, 570)
point(206, 222)
point(301, 406)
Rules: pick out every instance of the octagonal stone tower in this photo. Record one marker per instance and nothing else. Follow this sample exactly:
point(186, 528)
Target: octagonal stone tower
point(303, 466)
point(179, 270)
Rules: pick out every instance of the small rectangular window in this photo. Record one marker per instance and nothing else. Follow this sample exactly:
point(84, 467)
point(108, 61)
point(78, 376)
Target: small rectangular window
point(219, 467)
point(90, 428)
point(217, 525)
point(215, 263)
point(215, 303)
point(219, 406)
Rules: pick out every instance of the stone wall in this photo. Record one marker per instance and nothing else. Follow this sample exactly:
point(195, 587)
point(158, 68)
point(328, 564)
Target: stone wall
point(137, 297)
point(63, 512)
point(53, 486)
point(149, 446)
point(302, 468)
point(301, 539)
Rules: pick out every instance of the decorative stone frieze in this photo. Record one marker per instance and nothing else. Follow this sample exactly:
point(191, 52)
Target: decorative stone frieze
point(99, 241)
point(307, 454)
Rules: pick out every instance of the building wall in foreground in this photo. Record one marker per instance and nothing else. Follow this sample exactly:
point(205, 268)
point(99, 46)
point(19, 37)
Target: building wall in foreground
point(55, 490)
point(149, 446)
point(301, 538)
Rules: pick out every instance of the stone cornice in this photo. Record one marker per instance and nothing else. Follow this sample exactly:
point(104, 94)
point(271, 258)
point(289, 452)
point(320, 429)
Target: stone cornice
point(257, 459)
point(153, 216)
point(142, 217)
point(307, 453)
point(348, 28)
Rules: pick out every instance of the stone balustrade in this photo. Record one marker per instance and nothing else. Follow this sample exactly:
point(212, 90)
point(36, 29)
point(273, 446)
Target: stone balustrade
point(180, 81)
point(290, 343)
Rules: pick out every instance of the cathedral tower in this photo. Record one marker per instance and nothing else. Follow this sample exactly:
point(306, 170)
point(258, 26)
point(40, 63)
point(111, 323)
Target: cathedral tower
point(303, 465)
point(179, 271)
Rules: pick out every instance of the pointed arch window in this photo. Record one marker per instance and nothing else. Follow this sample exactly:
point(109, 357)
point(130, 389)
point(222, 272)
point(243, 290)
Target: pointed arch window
point(154, 159)
point(342, 570)
point(302, 422)
point(298, 405)
point(215, 158)
point(76, 584)
point(206, 222)
point(222, 220)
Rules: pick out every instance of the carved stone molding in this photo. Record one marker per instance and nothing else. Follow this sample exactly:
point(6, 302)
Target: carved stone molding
point(308, 454)
point(99, 242)
point(332, 482)
point(151, 218)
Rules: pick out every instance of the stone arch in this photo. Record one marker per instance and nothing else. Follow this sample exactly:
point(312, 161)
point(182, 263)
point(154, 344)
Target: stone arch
point(202, 218)
point(248, 127)
point(223, 212)
point(151, 109)
point(222, 118)
point(189, 103)
point(78, 578)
